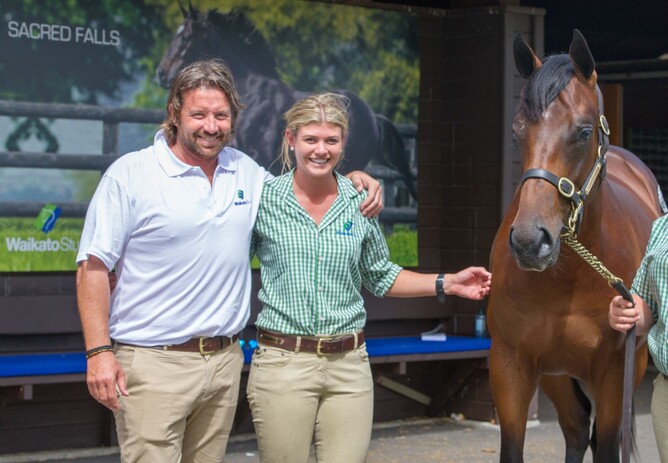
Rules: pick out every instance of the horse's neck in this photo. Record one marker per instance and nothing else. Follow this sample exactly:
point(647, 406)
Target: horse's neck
point(258, 88)
point(245, 78)
point(242, 68)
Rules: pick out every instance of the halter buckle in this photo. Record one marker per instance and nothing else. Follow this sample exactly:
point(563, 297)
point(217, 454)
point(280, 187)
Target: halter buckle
point(566, 187)
point(603, 123)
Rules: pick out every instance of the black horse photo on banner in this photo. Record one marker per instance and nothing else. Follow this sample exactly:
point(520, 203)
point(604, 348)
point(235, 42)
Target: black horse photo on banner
point(233, 38)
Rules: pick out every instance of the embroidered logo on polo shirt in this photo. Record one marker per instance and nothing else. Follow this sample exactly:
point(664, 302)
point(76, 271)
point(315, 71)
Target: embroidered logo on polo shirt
point(347, 227)
point(240, 195)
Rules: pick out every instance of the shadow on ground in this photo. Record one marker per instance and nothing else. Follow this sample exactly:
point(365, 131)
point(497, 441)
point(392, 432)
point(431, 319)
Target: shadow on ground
point(425, 440)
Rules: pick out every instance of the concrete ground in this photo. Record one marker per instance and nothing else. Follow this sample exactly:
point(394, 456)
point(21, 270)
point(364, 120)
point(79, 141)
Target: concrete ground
point(422, 440)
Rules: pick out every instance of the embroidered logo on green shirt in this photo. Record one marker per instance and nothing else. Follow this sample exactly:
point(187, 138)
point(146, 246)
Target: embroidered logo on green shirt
point(347, 227)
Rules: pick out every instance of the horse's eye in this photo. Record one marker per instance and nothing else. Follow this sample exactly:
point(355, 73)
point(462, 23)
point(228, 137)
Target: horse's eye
point(585, 133)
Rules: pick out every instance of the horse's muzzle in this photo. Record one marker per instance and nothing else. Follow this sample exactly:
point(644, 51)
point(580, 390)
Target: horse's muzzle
point(534, 249)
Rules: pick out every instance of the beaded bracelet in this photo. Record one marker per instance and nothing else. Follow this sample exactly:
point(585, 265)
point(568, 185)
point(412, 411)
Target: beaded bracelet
point(98, 350)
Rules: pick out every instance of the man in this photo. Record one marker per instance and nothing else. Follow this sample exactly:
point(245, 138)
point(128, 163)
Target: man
point(175, 219)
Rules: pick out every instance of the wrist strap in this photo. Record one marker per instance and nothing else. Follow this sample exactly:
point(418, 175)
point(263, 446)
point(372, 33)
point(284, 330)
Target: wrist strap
point(440, 292)
point(98, 350)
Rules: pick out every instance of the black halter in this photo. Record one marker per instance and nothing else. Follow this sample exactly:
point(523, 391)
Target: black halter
point(566, 187)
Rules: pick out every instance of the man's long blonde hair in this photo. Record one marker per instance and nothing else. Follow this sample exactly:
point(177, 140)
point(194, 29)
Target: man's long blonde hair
point(212, 73)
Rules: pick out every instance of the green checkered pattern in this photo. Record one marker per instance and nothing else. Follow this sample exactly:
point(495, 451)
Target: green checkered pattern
point(651, 283)
point(312, 275)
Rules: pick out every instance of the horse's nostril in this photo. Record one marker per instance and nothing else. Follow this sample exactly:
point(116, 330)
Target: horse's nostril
point(546, 243)
point(512, 239)
point(536, 242)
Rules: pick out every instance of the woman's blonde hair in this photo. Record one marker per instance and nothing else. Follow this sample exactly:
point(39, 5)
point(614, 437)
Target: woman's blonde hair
point(318, 108)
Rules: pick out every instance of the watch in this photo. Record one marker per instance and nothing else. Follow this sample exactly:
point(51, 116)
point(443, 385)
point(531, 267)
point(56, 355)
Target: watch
point(440, 292)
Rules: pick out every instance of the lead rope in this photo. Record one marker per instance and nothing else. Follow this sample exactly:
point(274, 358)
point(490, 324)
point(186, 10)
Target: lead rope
point(630, 343)
point(569, 236)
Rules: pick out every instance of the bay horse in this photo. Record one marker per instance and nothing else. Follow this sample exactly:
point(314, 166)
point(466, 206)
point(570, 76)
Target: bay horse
point(233, 38)
point(547, 312)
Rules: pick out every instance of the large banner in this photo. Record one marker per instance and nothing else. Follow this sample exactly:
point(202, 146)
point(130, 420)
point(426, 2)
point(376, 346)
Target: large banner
point(83, 82)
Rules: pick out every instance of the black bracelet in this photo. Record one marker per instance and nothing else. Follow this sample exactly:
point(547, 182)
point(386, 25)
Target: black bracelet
point(440, 292)
point(98, 350)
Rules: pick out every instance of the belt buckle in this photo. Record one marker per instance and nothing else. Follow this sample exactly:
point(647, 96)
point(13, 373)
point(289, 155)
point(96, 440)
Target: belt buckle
point(320, 340)
point(201, 347)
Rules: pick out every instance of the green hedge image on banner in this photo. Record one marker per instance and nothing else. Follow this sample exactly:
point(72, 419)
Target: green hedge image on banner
point(23, 248)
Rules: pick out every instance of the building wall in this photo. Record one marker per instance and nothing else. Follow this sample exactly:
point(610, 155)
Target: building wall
point(468, 92)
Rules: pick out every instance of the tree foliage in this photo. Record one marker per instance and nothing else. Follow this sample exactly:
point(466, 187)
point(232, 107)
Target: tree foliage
point(322, 46)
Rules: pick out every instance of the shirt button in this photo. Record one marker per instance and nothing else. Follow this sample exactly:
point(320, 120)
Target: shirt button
point(319, 288)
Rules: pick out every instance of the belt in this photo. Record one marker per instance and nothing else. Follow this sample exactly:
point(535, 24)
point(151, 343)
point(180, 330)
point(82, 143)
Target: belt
point(321, 345)
point(202, 344)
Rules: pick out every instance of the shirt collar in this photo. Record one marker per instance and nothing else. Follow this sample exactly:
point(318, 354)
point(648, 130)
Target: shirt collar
point(173, 166)
point(346, 190)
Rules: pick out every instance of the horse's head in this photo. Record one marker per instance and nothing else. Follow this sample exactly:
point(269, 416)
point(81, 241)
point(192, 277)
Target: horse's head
point(562, 136)
point(231, 37)
point(179, 53)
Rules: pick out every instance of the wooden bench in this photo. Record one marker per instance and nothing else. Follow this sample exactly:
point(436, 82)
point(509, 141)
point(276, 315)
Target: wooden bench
point(413, 349)
point(27, 370)
point(402, 350)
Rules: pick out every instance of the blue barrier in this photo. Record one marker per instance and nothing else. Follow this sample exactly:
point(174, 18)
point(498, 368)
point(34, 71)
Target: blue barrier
point(377, 347)
point(42, 364)
point(75, 362)
point(407, 346)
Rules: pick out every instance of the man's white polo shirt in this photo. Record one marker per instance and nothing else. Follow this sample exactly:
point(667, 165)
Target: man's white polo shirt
point(180, 245)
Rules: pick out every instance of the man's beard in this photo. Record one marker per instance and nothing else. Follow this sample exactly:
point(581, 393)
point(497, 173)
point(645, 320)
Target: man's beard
point(192, 144)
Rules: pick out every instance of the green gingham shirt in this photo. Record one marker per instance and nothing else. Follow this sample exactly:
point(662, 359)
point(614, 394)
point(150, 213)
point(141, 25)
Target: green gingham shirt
point(312, 275)
point(651, 283)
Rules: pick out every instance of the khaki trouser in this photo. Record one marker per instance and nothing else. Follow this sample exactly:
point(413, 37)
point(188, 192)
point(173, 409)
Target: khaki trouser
point(660, 415)
point(299, 397)
point(181, 404)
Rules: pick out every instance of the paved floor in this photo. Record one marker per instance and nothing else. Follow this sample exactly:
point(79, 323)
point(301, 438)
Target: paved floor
point(428, 440)
point(446, 440)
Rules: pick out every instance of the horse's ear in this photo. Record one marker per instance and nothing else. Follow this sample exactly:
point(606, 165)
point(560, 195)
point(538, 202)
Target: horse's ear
point(526, 60)
point(184, 12)
point(580, 56)
point(191, 9)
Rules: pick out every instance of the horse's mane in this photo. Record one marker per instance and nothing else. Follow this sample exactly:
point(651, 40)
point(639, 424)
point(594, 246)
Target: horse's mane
point(246, 37)
point(545, 84)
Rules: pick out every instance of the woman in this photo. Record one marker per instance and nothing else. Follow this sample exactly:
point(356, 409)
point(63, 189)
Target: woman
point(649, 313)
point(310, 375)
